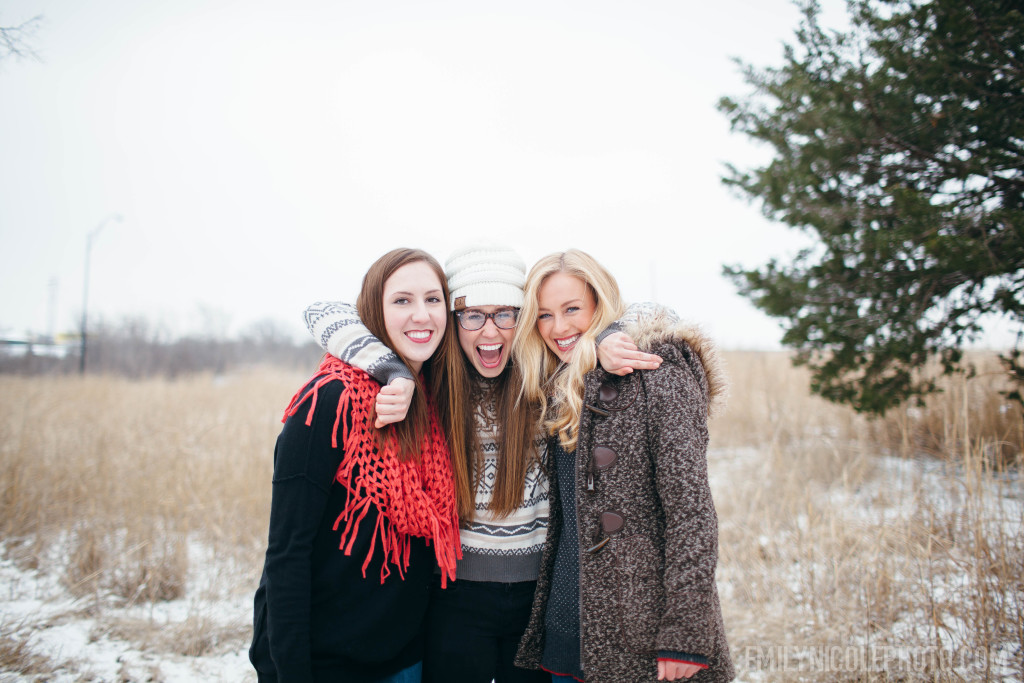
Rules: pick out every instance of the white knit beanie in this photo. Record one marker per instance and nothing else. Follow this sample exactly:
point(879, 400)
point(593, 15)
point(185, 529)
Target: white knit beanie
point(485, 275)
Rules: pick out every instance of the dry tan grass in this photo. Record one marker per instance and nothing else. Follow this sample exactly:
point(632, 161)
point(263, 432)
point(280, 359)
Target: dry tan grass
point(147, 458)
point(16, 654)
point(832, 558)
point(105, 481)
point(196, 636)
point(838, 564)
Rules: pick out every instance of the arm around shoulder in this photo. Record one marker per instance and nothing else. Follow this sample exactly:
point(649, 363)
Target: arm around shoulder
point(336, 326)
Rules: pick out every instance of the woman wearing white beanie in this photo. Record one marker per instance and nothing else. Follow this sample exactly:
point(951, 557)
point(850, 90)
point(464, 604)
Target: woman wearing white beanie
point(473, 627)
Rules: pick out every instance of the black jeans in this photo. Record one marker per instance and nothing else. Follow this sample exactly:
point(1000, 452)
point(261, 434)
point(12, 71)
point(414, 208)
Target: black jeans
point(473, 630)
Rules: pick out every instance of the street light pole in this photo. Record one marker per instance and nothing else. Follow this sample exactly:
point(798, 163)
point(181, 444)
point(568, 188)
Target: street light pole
point(85, 286)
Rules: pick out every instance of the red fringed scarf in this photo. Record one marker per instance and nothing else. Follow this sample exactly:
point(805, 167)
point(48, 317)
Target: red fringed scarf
point(414, 498)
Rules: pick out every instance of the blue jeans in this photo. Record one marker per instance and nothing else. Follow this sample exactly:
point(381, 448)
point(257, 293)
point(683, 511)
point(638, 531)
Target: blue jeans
point(559, 678)
point(411, 675)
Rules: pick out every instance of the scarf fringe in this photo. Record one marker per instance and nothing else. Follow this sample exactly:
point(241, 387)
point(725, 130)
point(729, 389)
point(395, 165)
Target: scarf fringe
point(413, 499)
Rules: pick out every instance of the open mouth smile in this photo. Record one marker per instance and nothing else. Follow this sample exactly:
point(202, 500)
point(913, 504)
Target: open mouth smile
point(567, 343)
point(489, 354)
point(419, 336)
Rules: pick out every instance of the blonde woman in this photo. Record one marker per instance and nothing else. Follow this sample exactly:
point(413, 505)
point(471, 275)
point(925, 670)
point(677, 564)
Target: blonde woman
point(626, 590)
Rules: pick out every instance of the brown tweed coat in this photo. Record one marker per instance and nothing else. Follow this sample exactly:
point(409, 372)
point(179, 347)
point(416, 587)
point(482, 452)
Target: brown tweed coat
point(642, 491)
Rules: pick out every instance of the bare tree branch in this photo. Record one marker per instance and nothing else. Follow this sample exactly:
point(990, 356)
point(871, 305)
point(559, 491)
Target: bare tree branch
point(16, 41)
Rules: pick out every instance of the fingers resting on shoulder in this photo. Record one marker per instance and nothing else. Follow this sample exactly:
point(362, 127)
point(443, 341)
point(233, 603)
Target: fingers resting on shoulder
point(620, 356)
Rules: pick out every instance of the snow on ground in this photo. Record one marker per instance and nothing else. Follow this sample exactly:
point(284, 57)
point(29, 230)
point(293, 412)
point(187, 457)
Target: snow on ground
point(95, 638)
point(890, 495)
point(91, 639)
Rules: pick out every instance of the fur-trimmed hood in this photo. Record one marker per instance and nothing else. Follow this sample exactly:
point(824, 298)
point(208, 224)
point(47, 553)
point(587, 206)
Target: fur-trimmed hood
point(656, 325)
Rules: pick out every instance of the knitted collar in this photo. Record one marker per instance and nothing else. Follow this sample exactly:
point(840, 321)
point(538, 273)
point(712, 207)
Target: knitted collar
point(413, 498)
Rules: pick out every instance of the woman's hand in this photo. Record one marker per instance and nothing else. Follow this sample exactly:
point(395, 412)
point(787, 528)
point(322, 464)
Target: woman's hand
point(393, 401)
point(619, 355)
point(672, 671)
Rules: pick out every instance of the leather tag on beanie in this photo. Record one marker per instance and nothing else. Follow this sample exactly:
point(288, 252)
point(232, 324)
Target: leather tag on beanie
point(460, 303)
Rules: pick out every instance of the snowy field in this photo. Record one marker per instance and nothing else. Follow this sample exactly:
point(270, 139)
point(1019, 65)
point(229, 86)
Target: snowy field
point(203, 635)
point(133, 521)
point(199, 637)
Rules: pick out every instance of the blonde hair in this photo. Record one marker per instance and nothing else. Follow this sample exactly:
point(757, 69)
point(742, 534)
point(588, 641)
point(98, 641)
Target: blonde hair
point(558, 387)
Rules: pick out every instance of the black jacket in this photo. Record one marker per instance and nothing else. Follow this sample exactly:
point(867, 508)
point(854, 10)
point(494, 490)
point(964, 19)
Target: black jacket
point(315, 617)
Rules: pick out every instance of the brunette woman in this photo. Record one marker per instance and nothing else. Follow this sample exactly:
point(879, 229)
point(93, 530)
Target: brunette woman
point(626, 590)
point(360, 517)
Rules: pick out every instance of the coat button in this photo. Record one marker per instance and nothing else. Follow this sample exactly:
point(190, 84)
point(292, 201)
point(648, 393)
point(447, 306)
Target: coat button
point(611, 522)
point(604, 457)
point(607, 392)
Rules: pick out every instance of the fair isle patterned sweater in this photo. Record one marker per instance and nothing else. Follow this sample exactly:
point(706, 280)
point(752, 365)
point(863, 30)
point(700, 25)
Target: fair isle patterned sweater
point(504, 550)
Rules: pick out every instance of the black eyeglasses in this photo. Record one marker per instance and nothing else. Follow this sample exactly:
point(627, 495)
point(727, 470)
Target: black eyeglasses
point(504, 319)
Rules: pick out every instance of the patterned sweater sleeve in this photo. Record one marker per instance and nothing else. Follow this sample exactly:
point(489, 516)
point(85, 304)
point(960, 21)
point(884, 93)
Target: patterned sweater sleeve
point(339, 331)
point(634, 315)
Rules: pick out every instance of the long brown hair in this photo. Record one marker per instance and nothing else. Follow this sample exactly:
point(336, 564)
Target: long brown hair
point(517, 432)
point(410, 432)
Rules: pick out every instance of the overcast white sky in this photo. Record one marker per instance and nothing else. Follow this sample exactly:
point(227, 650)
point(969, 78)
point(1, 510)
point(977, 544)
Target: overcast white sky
point(262, 154)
